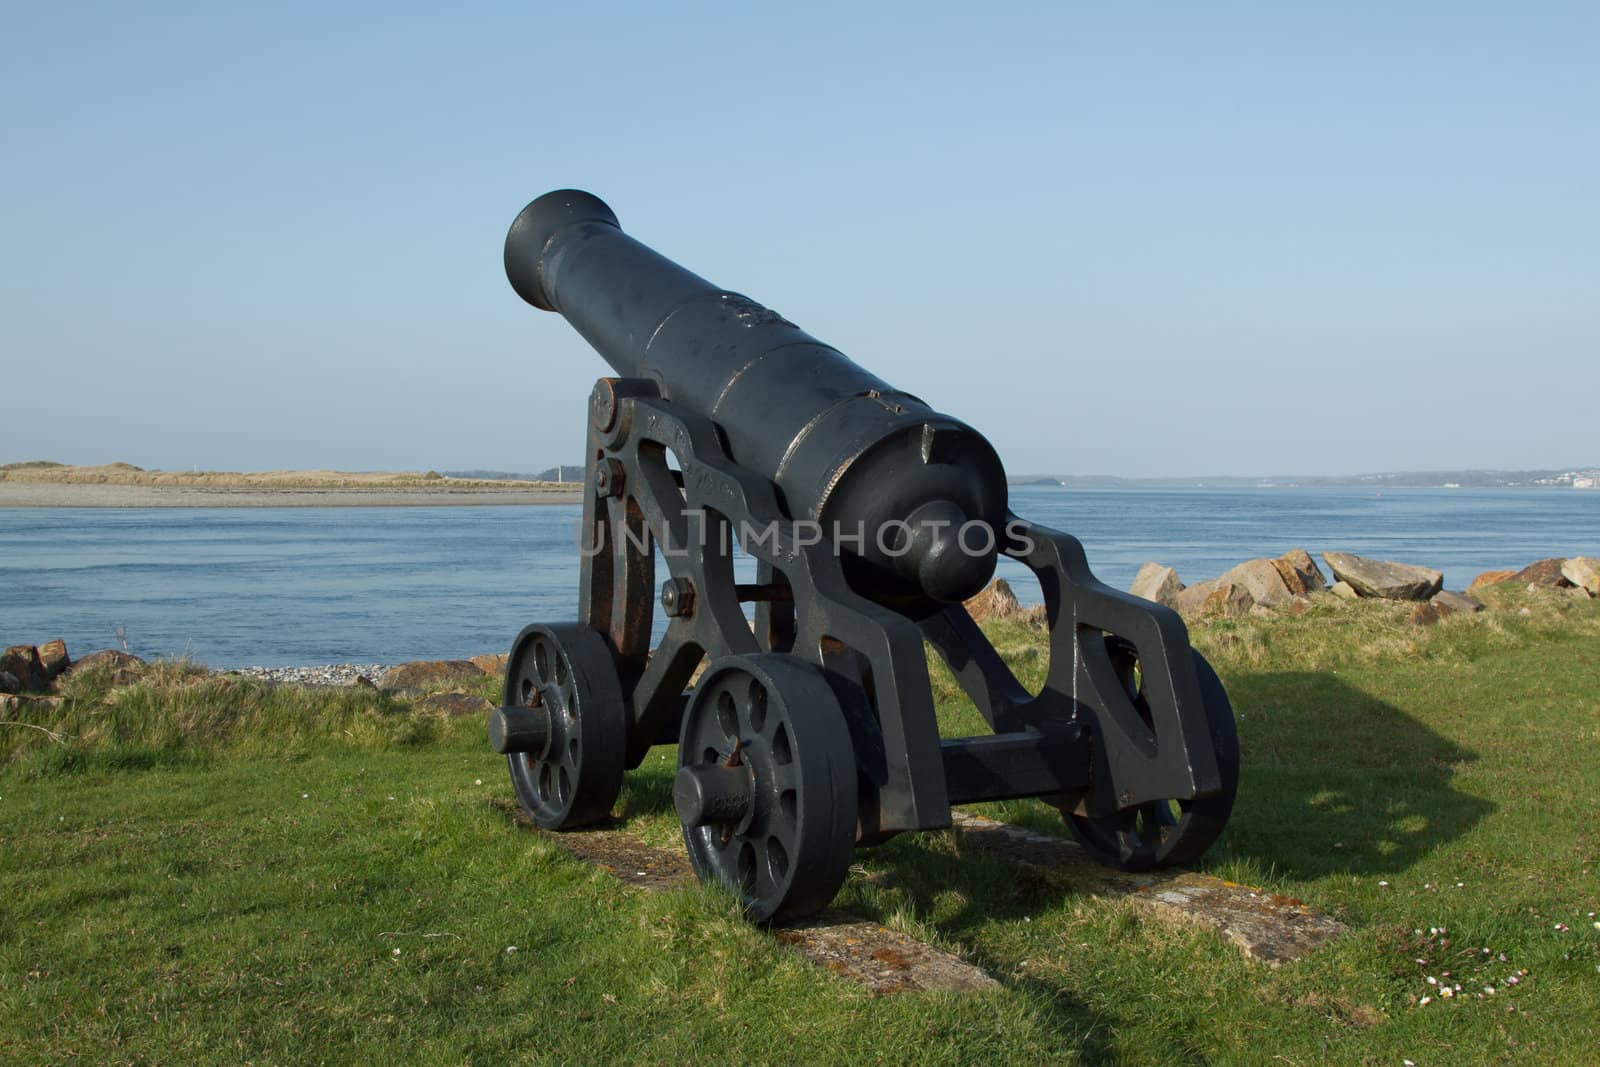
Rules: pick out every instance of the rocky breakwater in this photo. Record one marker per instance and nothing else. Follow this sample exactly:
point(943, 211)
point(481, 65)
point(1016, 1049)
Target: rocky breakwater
point(1293, 583)
point(35, 672)
point(1257, 586)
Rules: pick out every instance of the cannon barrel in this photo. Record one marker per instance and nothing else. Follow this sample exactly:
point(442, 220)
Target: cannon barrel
point(844, 448)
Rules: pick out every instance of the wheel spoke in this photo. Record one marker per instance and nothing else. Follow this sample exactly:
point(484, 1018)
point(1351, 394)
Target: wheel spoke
point(783, 827)
point(1130, 845)
point(785, 776)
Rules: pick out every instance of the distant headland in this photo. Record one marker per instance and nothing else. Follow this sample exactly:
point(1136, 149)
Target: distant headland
point(43, 483)
point(1566, 478)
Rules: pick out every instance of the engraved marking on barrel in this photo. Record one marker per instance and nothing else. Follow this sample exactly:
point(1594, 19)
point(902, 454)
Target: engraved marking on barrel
point(882, 960)
point(1264, 926)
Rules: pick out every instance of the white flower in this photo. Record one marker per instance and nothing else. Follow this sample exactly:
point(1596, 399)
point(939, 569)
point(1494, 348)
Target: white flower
point(1424, 1001)
point(396, 952)
point(510, 949)
point(477, 781)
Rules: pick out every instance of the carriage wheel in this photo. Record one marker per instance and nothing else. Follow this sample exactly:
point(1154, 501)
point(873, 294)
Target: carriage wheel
point(766, 785)
point(1166, 833)
point(574, 734)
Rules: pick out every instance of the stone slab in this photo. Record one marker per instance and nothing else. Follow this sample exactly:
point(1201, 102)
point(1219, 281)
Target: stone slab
point(884, 961)
point(1264, 926)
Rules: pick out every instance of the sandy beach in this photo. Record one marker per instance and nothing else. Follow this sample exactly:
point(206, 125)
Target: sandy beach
point(63, 495)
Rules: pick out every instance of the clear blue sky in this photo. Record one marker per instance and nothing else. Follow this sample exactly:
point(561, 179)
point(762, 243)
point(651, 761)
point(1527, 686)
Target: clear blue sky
point(1125, 239)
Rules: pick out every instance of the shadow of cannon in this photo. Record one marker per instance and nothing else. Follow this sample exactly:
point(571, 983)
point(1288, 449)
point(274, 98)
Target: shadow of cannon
point(1336, 780)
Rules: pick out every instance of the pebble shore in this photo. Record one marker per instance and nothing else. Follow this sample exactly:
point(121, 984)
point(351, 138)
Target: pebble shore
point(334, 674)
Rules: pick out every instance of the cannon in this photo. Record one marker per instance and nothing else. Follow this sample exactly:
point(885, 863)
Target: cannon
point(800, 702)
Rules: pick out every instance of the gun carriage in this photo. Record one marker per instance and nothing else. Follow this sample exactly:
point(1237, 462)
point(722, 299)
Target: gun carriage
point(871, 518)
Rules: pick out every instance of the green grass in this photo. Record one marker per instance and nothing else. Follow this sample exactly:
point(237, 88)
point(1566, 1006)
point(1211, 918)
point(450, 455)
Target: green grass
point(213, 870)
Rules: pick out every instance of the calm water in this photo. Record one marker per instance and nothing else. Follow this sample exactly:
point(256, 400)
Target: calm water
point(289, 586)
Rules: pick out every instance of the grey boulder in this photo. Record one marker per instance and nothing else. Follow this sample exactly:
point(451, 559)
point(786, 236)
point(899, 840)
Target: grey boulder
point(1384, 578)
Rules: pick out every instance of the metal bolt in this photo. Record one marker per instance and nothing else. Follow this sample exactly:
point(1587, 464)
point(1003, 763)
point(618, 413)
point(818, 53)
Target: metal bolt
point(603, 404)
point(677, 597)
point(609, 478)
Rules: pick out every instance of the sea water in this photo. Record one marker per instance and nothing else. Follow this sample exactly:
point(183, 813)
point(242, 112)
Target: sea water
point(294, 586)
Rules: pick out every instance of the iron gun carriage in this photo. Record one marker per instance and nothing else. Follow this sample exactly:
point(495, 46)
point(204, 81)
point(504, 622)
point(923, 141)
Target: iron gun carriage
point(871, 518)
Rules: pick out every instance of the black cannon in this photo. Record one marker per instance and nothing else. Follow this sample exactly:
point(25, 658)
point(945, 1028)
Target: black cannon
point(871, 518)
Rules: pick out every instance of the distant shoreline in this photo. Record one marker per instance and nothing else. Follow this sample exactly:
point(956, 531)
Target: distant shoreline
point(43, 484)
point(66, 495)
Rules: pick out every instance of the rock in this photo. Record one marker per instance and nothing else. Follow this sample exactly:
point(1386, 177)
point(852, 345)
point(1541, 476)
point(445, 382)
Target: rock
point(994, 601)
point(1300, 605)
point(420, 673)
point(1524, 611)
point(10, 683)
point(124, 666)
point(363, 682)
point(1425, 615)
point(1450, 603)
point(490, 663)
point(1193, 597)
point(1158, 583)
point(22, 663)
point(1583, 572)
point(53, 657)
point(1261, 611)
point(1490, 578)
point(1262, 580)
point(1383, 578)
point(1344, 591)
point(456, 704)
point(1227, 601)
point(1300, 572)
point(118, 660)
point(1546, 574)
